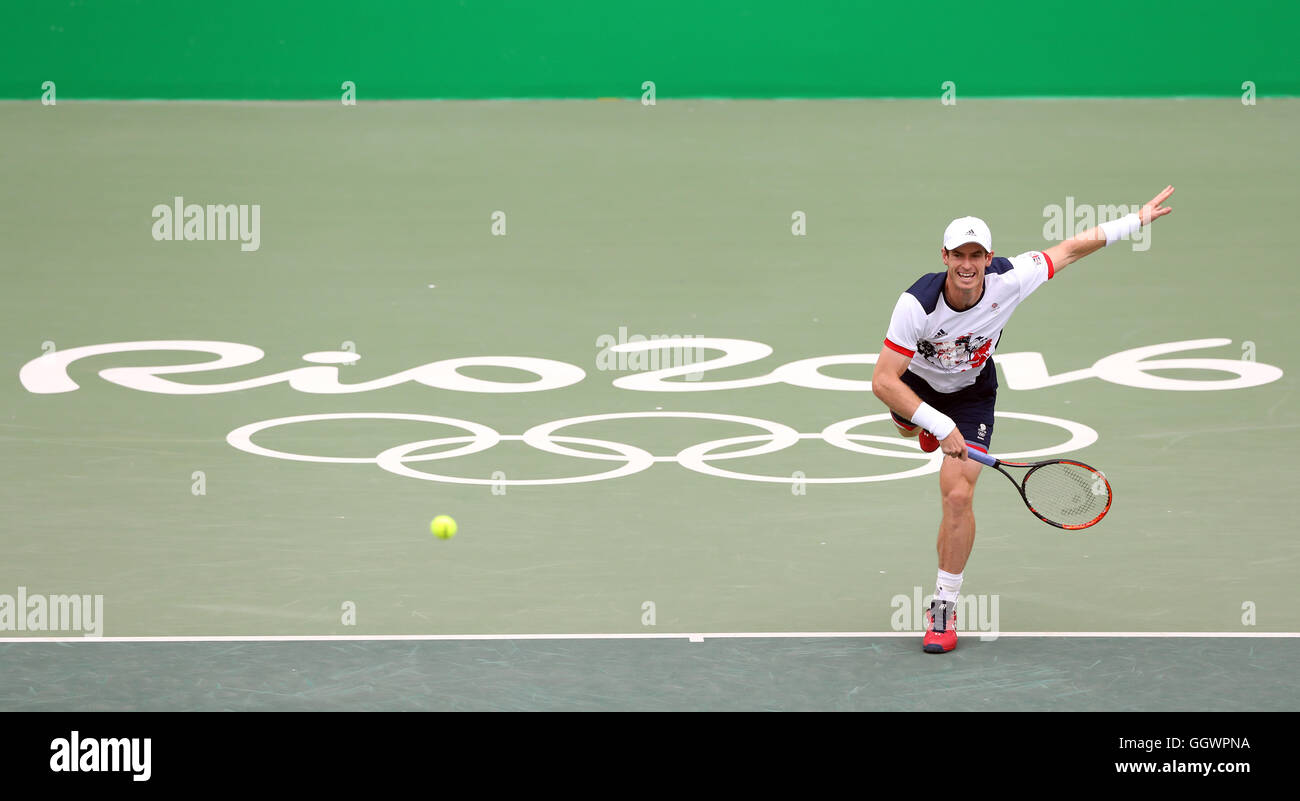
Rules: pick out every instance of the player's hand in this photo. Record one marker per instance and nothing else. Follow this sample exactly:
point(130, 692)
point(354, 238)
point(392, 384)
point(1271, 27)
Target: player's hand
point(954, 445)
point(1153, 210)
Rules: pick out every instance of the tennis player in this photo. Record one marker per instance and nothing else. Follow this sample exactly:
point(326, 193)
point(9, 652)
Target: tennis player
point(936, 374)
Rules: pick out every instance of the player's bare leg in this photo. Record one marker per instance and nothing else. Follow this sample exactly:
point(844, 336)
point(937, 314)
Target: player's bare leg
point(957, 479)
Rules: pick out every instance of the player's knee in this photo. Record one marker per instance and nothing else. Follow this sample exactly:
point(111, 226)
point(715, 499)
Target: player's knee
point(908, 432)
point(958, 497)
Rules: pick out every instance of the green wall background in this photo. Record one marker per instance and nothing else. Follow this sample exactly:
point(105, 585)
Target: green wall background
point(393, 49)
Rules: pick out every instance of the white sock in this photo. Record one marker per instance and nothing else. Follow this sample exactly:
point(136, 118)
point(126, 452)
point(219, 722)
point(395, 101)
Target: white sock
point(949, 585)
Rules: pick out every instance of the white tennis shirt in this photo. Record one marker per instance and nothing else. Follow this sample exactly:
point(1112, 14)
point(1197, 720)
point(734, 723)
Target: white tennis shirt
point(950, 349)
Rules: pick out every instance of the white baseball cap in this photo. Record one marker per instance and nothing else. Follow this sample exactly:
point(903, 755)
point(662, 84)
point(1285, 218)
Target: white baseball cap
point(967, 229)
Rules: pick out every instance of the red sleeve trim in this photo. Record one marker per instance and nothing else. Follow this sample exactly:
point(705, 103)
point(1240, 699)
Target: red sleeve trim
point(899, 349)
point(1051, 269)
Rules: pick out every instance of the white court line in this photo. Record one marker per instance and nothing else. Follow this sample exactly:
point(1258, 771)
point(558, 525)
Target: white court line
point(692, 637)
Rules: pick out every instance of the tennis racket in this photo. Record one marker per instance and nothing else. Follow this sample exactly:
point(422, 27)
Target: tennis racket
point(1060, 492)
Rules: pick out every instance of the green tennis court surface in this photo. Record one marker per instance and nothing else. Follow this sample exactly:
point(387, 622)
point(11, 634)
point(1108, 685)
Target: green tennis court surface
point(377, 237)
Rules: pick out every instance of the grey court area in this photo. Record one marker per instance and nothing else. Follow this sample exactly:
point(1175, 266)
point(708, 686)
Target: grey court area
point(778, 674)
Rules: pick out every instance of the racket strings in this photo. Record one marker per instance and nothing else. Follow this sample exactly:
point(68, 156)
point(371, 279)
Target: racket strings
point(1067, 493)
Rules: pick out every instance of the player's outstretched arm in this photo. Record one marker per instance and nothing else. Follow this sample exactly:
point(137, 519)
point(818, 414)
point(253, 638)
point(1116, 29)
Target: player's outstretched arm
point(1094, 239)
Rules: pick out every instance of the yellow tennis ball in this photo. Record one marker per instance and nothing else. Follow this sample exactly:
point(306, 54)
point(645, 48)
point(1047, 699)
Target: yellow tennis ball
point(443, 527)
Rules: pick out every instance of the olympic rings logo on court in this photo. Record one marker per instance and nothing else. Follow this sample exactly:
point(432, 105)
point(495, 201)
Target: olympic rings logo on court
point(699, 458)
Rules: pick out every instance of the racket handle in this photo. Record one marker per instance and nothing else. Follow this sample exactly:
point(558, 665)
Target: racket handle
point(981, 457)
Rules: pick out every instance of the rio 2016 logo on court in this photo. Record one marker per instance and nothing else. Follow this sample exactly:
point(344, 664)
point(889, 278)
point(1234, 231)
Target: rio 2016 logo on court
point(48, 374)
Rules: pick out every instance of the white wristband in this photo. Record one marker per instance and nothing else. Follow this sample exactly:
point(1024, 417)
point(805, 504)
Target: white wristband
point(933, 420)
point(1118, 229)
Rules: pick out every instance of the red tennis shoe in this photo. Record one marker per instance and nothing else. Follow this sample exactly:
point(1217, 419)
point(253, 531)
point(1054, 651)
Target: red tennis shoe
point(941, 628)
point(928, 443)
